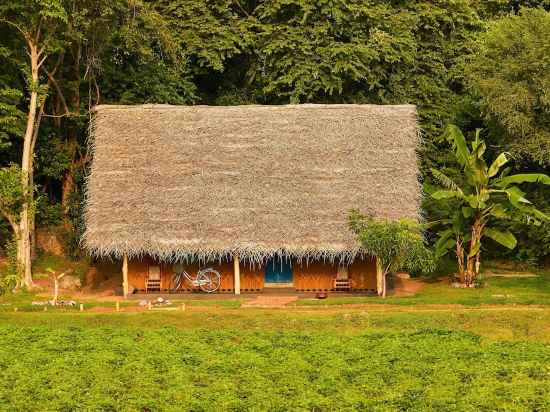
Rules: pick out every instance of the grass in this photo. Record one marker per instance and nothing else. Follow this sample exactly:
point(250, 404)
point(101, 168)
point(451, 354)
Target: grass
point(22, 301)
point(440, 350)
point(497, 290)
point(235, 359)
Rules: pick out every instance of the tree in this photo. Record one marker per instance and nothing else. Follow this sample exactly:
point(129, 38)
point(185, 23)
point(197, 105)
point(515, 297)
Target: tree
point(510, 72)
point(13, 197)
point(398, 245)
point(484, 194)
point(114, 50)
point(38, 23)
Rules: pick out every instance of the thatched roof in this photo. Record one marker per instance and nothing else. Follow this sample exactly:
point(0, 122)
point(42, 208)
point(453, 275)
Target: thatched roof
point(187, 182)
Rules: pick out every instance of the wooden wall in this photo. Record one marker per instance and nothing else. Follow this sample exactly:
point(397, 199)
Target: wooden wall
point(319, 276)
point(363, 275)
point(252, 279)
point(315, 276)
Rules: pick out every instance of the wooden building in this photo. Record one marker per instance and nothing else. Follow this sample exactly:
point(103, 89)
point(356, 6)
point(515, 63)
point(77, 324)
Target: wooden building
point(261, 193)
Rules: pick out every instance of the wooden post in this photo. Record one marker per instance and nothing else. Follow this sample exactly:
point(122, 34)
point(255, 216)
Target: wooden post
point(237, 273)
point(125, 275)
point(379, 278)
point(117, 306)
point(81, 307)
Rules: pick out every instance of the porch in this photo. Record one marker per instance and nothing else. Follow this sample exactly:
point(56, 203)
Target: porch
point(150, 276)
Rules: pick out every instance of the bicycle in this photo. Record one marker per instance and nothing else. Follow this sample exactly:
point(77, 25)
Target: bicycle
point(208, 280)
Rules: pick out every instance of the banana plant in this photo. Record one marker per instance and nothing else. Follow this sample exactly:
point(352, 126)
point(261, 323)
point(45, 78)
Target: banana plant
point(488, 194)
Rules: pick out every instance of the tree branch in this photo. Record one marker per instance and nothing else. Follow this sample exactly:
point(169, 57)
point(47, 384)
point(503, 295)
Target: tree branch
point(38, 29)
point(36, 128)
point(52, 80)
point(41, 62)
point(24, 33)
point(239, 5)
point(42, 50)
point(10, 218)
point(68, 114)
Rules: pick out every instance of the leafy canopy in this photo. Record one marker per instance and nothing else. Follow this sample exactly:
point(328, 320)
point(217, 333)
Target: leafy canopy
point(511, 73)
point(398, 244)
point(12, 193)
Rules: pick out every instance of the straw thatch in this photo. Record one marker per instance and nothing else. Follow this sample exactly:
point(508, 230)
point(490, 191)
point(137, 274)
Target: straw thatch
point(257, 181)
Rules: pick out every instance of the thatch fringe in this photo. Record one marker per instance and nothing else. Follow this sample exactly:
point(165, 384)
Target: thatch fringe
point(246, 255)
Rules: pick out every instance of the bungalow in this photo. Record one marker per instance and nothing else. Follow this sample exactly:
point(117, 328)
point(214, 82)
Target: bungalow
point(259, 193)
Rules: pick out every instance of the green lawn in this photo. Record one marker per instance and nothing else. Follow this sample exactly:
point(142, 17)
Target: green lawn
point(441, 350)
point(497, 290)
point(222, 359)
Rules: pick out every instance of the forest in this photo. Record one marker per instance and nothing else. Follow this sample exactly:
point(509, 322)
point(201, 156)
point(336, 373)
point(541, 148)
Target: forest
point(481, 65)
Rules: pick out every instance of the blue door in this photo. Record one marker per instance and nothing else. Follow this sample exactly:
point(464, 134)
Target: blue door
point(278, 272)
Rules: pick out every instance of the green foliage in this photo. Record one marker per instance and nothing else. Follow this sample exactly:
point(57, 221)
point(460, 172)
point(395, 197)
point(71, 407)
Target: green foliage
point(12, 194)
point(220, 368)
point(358, 52)
point(52, 158)
point(484, 195)
point(11, 116)
point(510, 73)
point(47, 213)
point(228, 52)
point(398, 244)
point(9, 275)
point(141, 60)
point(42, 21)
point(76, 218)
point(209, 32)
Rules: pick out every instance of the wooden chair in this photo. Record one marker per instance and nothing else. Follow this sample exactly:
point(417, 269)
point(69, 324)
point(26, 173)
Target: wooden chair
point(342, 282)
point(152, 283)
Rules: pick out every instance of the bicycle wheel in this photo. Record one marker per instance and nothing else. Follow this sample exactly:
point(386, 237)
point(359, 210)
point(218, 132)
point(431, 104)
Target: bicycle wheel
point(209, 280)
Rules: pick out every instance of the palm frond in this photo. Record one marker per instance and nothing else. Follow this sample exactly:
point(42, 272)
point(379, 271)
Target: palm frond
point(445, 181)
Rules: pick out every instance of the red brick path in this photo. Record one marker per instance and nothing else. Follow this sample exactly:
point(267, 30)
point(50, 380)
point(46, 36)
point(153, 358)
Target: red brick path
point(269, 301)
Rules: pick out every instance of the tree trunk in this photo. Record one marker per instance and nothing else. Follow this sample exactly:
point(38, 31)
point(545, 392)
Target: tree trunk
point(66, 190)
point(460, 259)
point(72, 137)
point(32, 213)
point(472, 267)
point(32, 216)
point(55, 289)
point(24, 240)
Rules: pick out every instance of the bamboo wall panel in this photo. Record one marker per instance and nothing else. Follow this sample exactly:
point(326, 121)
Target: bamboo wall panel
point(137, 273)
point(252, 278)
point(227, 283)
point(166, 276)
point(363, 274)
point(314, 277)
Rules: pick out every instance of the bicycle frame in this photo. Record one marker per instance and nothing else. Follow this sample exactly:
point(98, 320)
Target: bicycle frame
point(193, 281)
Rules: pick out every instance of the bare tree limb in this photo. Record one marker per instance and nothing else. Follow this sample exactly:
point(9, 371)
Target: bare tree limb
point(41, 62)
point(55, 84)
point(38, 30)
